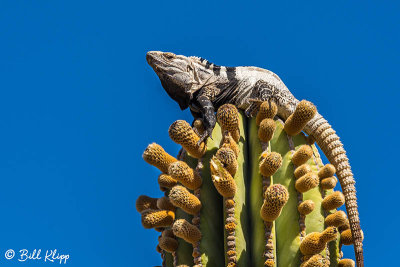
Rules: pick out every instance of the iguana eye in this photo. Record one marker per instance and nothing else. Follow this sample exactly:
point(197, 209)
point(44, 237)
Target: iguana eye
point(169, 55)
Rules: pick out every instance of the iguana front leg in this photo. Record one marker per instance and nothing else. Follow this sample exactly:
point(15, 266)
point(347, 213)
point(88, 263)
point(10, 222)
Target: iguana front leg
point(207, 111)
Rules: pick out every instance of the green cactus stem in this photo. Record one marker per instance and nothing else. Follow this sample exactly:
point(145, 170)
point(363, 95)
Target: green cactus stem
point(218, 204)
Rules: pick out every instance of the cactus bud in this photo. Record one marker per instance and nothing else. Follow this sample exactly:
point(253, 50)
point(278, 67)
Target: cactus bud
point(346, 263)
point(307, 182)
point(306, 207)
point(228, 119)
point(144, 202)
point(276, 197)
point(270, 163)
point(155, 155)
point(168, 244)
point(186, 231)
point(182, 198)
point(165, 204)
point(157, 218)
point(315, 242)
point(302, 170)
point(346, 238)
point(328, 183)
point(228, 159)
point(181, 133)
point(266, 130)
point(315, 261)
point(227, 141)
point(267, 110)
point(223, 181)
point(327, 171)
point(336, 219)
point(333, 201)
point(303, 113)
point(302, 155)
point(181, 172)
point(166, 181)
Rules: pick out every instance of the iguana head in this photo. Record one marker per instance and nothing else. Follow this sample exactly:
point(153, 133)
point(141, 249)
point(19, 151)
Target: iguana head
point(179, 75)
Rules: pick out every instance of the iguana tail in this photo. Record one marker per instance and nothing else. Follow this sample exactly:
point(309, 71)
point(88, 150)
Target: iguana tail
point(329, 142)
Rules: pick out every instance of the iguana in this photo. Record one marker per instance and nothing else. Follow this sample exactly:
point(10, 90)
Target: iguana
point(202, 86)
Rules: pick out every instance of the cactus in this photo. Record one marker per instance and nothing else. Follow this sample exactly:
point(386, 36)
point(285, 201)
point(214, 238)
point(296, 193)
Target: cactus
point(255, 194)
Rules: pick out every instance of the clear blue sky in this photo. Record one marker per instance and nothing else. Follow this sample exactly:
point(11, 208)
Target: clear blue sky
point(79, 104)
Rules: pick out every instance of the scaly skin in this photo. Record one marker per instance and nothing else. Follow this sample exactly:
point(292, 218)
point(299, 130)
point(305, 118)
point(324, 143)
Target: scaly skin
point(203, 87)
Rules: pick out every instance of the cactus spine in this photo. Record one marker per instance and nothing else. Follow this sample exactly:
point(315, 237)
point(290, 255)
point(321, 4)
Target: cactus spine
point(257, 194)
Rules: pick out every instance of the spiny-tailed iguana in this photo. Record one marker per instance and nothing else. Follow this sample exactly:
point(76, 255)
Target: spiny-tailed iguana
point(203, 87)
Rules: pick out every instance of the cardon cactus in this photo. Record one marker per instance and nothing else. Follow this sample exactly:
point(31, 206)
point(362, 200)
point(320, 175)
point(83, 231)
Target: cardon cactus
point(256, 194)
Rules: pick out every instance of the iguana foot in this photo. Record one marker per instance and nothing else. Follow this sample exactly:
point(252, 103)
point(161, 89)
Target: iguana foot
point(203, 138)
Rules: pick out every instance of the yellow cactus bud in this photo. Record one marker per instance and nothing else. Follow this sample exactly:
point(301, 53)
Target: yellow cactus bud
point(266, 130)
point(328, 183)
point(181, 172)
point(333, 201)
point(301, 170)
point(228, 159)
point(267, 110)
point(269, 263)
point(165, 204)
point(198, 127)
point(346, 238)
point(306, 207)
point(303, 154)
point(307, 182)
point(180, 197)
point(228, 119)
point(144, 202)
point(327, 171)
point(182, 133)
point(276, 197)
point(166, 181)
point(315, 242)
point(156, 156)
point(157, 218)
point(223, 181)
point(270, 163)
point(303, 113)
point(346, 263)
point(336, 219)
point(168, 233)
point(168, 244)
point(315, 261)
point(186, 231)
point(227, 141)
